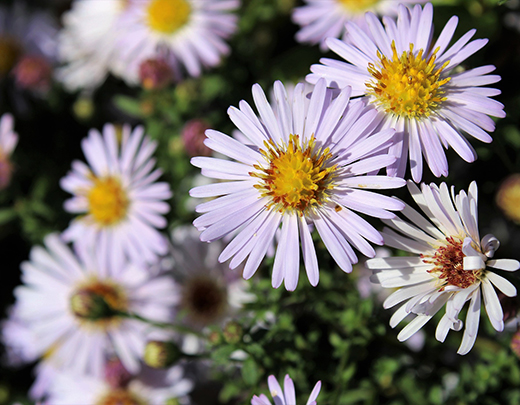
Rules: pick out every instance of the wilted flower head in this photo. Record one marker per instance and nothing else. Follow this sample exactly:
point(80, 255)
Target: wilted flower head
point(155, 74)
point(33, 72)
point(452, 265)
point(193, 136)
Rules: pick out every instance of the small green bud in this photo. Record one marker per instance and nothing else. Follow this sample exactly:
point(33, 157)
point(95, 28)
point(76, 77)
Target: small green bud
point(90, 306)
point(159, 354)
point(83, 108)
point(232, 332)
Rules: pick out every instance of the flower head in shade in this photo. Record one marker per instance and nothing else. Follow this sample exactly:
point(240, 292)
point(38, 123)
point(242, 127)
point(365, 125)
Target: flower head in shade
point(8, 141)
point(209, 293)
point(287, 396)
point(120, 202)
point(320, 19)
point(305, 164)
point(412, 80)
point(148, 387)
point(187, 33)
point(72, 306)
point(451, 265)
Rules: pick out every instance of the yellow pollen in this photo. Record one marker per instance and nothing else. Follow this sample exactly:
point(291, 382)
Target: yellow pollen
point(167, 16)
point(407, 85)
point(358, 6)
point(448, 260)
point(297, 177)
point(107, 201)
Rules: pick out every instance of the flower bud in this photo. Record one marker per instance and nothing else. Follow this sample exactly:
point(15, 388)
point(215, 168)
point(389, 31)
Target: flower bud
point(193, 136)
point(160, 354)
point(6, 171)
point(155, 74)
point(232, 332)
point(33, 73)
point(89, 305)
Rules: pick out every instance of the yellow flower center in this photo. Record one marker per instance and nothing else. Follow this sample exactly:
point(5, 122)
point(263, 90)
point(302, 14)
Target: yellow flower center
point(407, 85)
point(9, 51)
point(167, 16)
point(358, 6)
point(120, 396)
point(448, 260)
point(108, 202)
point(297, 177)
point(97, 303)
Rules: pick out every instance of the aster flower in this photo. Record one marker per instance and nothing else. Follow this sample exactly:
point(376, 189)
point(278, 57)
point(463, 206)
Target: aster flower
point(412, 80)
point(8, 141)
point(209, 293)
point(188, 33)
point(87, 43)
point(148, 387)
point(320, 19)
point(305, 165)
point(287, 396)
point(451, 265)
point(80, 325)
point(118, 196)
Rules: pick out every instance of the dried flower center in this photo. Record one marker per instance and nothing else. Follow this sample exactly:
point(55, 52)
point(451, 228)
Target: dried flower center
point(167, 16)
point(297, 177)
point(107, 201)
point(98, 303)
point(10, 51)
point(448, 261)
point(204, 299)
point(120, 397)
point(407, 85)
point(358, 6)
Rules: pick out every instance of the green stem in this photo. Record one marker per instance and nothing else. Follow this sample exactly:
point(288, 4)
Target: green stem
point(163, 325)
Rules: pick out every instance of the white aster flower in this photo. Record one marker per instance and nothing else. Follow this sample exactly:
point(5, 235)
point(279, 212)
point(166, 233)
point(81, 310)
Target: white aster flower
point(150, 387)
point(8, 141)
point(320, 19)
point(412, 80)
point(191, 33)
point(287, 396)
point(451, 265)
point(69, 304)
point(117, 195)
point(305, 165)
point(87, 44)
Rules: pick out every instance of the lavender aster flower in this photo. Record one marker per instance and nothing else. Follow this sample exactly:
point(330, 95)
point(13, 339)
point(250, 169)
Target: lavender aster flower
point(305, 164)
point(412, 80)
point(451, 265)
point(287, 396)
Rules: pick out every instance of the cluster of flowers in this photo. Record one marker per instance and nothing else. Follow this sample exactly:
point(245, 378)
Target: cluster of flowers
point(307, 160)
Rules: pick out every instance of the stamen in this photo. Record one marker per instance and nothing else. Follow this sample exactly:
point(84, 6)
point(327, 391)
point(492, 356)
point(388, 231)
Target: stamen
point(407, 85)
point(108, 202)
point(448, 260)
point(297, 177)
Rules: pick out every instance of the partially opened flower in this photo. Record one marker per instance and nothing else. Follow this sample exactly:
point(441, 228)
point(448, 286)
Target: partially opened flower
point(187, 33)
point(73, 306)
point(412, 81)
point(305, 163)
point(120, 202)
point(320, 19)
point(450, 266)
point(285, 396)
